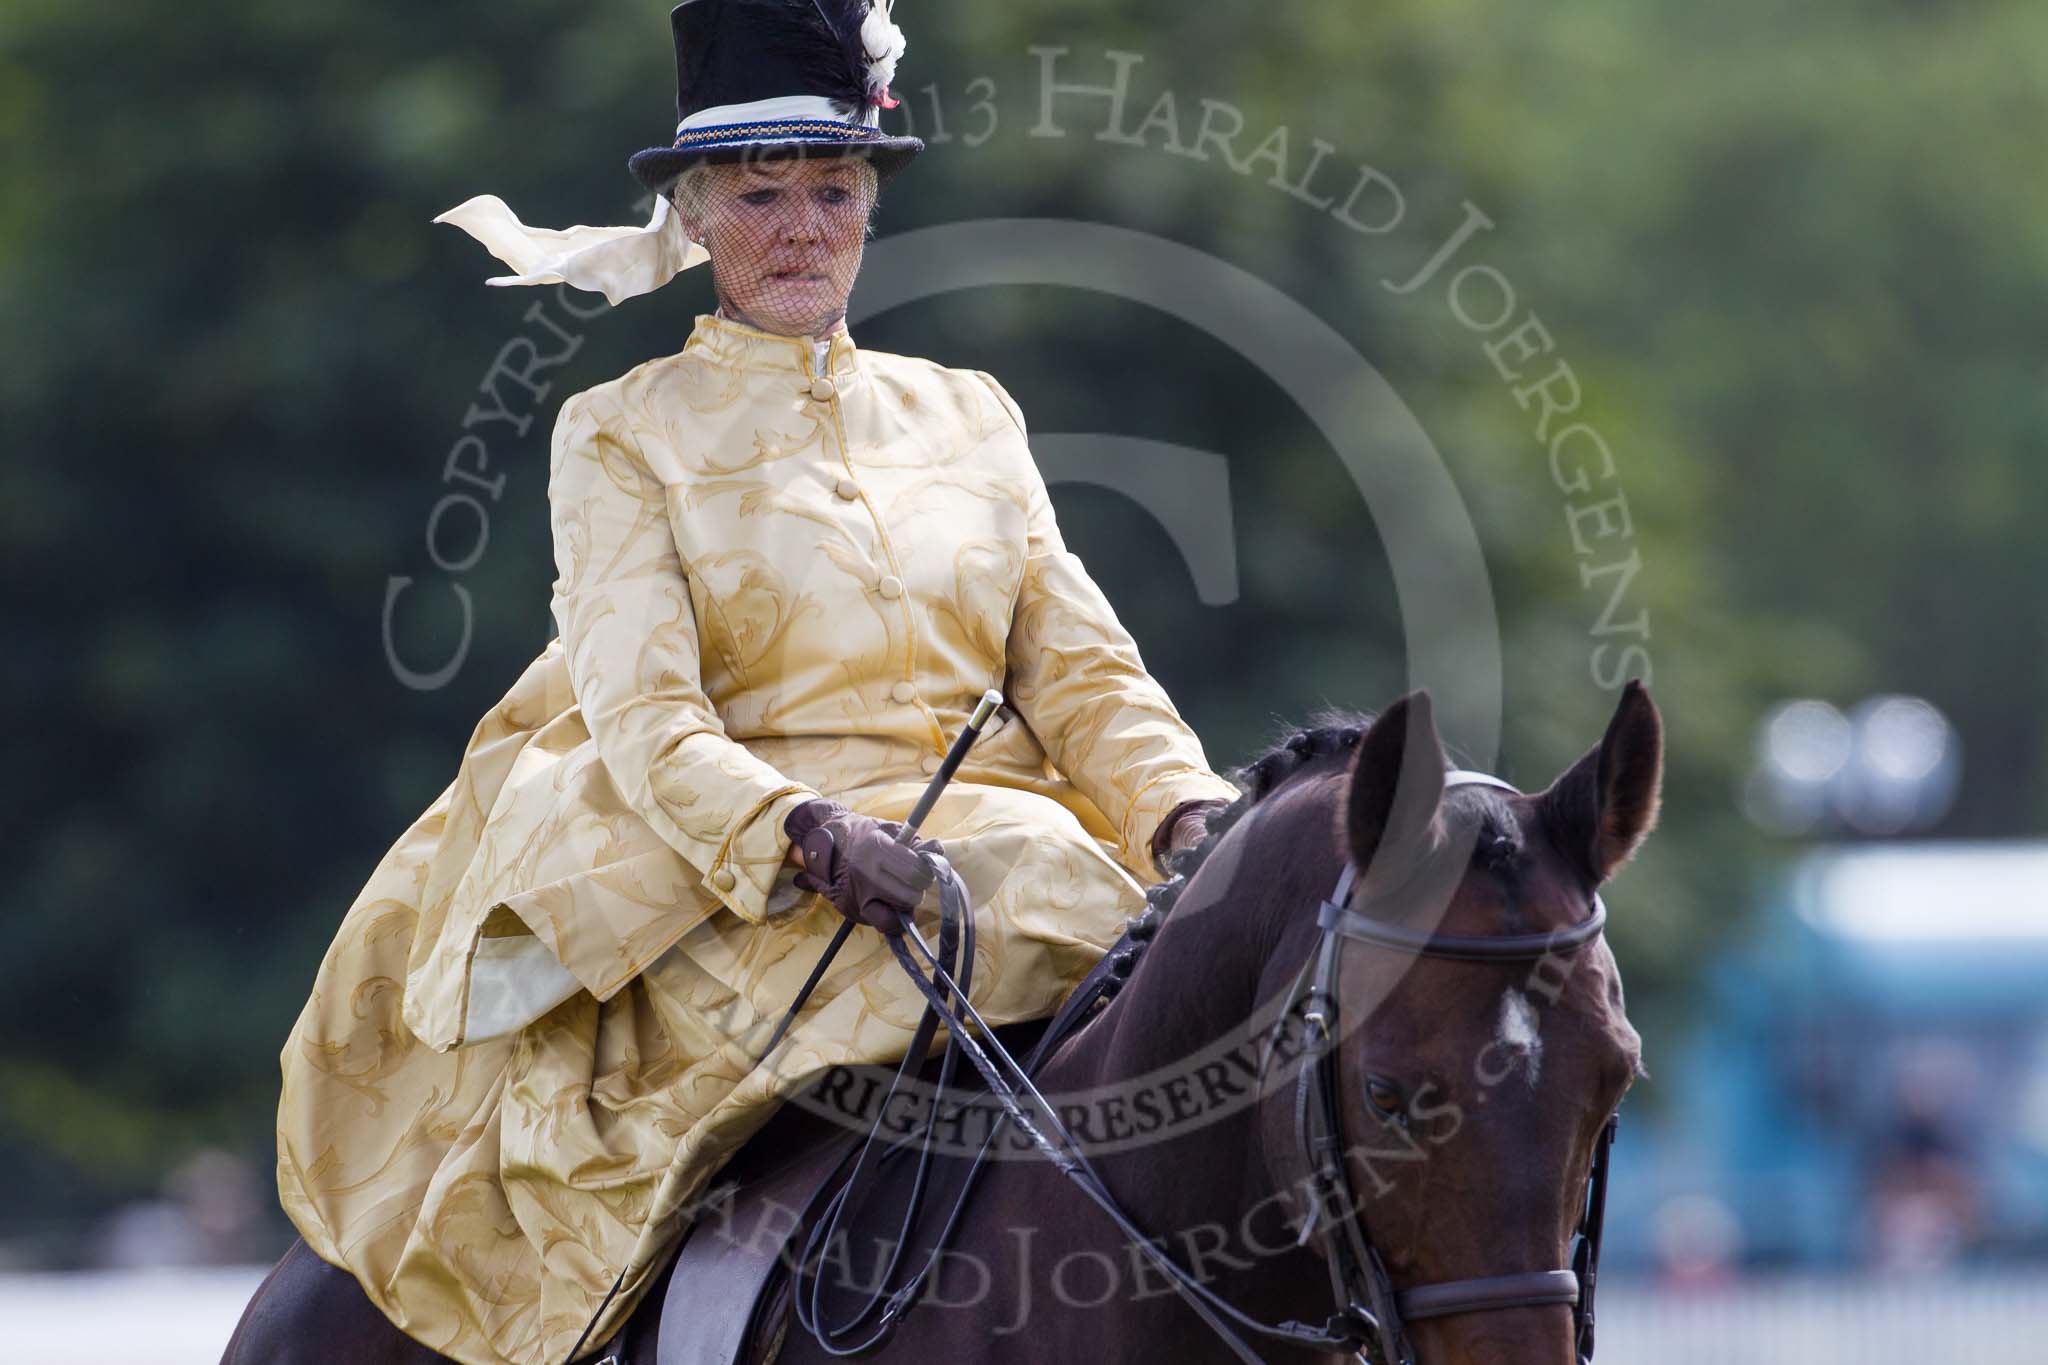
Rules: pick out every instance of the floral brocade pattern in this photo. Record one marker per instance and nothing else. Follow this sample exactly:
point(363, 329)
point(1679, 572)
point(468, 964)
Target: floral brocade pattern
point(526, 1049)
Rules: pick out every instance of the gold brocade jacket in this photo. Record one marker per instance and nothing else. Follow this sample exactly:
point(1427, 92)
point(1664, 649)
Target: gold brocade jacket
point(784, 571)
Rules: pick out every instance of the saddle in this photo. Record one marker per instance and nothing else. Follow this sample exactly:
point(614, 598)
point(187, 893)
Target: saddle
point(725, 1297)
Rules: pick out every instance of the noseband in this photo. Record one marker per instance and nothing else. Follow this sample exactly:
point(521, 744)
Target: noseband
point(1358, 1277)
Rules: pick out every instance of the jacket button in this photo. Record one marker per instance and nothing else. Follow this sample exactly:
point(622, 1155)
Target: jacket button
point(823, 389)
point(848, 489)
point(929, 763)
point(723, 879)
point(903, 691)
point(891, 586)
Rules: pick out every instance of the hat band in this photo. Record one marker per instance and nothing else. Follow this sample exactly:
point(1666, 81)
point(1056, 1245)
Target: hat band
point(784, 118)
point(789, 130)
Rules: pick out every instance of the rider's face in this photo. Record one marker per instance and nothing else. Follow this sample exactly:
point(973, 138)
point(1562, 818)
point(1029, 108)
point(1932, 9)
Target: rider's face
point(785, 237)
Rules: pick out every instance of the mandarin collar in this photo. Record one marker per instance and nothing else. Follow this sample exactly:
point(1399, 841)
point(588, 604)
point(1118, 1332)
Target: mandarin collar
point(726, 342)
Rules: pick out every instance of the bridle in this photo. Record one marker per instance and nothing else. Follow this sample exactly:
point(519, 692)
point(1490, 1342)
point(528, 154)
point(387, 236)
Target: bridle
point(1370, 1313)
point(1358, 1277)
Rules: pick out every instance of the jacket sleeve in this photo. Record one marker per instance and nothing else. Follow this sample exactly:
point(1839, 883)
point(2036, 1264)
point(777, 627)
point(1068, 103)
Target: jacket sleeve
point(1076, 678)
point(629, 634)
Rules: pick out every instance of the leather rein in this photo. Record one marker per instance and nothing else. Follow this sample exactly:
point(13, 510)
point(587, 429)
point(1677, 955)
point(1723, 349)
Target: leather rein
point(1369, 1311)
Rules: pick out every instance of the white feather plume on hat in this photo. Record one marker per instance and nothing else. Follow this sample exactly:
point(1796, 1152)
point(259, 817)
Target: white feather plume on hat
point(882, 43)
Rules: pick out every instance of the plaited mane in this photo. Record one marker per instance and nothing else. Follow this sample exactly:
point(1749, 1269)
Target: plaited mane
point(1326, 744)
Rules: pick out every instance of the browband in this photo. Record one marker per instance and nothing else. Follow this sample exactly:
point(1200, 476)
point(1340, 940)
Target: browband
point(1337, 915)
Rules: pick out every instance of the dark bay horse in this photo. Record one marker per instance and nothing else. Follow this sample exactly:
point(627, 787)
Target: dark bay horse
point(1473, 1093)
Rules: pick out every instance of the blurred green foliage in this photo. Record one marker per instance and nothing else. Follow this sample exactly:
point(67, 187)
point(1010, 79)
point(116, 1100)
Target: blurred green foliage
point(1793, 257)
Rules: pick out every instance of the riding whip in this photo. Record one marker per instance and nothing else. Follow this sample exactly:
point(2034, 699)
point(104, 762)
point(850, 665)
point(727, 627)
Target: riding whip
point(962, 742)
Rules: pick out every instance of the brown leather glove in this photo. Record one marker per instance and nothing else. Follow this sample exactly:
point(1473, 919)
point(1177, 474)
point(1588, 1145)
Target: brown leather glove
point(1171, 837)
point(854, 861)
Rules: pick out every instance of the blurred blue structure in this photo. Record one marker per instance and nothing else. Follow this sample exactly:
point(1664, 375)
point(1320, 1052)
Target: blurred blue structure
point(1887, 1014)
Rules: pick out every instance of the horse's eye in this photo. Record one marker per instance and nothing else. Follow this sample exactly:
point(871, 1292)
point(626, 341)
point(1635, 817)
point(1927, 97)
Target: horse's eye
point(1384, 1095)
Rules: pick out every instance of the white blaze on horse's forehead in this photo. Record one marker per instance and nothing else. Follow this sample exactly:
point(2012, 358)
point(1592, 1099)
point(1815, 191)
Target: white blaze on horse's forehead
point(1516, 1034)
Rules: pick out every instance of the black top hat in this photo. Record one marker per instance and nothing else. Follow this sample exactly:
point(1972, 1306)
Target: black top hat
point(769, 78)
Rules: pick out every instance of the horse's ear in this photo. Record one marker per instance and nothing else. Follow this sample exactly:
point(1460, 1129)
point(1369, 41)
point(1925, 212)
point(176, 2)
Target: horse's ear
point(1603, 805)
point(1391, 814)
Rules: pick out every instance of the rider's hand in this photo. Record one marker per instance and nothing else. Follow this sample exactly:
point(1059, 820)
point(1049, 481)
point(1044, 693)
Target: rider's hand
point(1184, 826)
point(855, 862)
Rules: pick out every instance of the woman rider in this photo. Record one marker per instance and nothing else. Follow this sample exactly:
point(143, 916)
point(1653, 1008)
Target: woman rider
point(788, 568)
